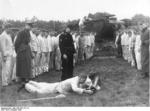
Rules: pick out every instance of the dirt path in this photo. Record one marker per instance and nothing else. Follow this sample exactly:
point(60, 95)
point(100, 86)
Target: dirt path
point(121, 86)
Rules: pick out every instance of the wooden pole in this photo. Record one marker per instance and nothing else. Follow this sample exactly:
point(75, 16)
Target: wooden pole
point(38, 99)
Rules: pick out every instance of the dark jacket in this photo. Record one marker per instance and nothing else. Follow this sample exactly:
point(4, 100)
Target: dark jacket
point(66, 44)
point(24, 55)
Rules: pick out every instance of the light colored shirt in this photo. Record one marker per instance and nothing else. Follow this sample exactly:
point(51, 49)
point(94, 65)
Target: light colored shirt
point(87, 40)
point(49, 39)
point(132, 41)
point(46, 44)
point(43, 45)
point(53, 39)
point(138, 42)
point(39, 43)
point(33, 42)
point(55, 42)
point(70, 84)
point(123, 39)
point(92, 38)
point(6, 44)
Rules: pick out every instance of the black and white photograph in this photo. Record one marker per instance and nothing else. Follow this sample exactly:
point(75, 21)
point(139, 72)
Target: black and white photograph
point(74, 53)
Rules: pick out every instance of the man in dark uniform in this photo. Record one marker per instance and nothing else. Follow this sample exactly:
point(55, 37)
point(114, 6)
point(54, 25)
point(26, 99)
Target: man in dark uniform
point(24, 55)
point(145, 51)
point(118, 44)
point(67, 52)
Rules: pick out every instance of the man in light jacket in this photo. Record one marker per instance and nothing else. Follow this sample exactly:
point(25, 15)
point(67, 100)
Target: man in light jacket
point(64, 87)
point(6, 49)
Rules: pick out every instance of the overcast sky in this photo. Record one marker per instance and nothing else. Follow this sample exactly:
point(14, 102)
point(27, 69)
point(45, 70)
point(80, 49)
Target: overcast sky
point(71, 9)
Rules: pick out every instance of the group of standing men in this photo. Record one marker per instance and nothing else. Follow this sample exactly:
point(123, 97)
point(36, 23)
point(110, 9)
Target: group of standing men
point(34, 51)
point(133, 46)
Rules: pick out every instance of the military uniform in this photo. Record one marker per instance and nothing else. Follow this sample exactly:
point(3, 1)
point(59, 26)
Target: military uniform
point(66, 46)
point(123, 44)
point(81, 53)
point(132, 47)
point(46, 54)
point(118, 45)
point(39, 55)
point(138, 52)
point(92, 39)
point(145, 51)
point(43, 49)
point(57, 54)
point(33, 45)
point(6, 48)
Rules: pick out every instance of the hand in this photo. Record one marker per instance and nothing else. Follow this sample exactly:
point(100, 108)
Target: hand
point(74, 55)
point(143, 43)
point(64, 56)
point(116, 46)
point(88, 91)
point(4, 58)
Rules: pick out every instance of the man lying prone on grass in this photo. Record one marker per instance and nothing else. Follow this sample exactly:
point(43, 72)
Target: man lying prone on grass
point(79, 84)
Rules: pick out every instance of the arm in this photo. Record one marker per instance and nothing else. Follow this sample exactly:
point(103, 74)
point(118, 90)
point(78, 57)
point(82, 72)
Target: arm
point(17, 42)
point(75, 87)
point(3, 45)
point(61, 45)
point(96, 81)
point(116, 41)
point(146, 42)
point(73, 45)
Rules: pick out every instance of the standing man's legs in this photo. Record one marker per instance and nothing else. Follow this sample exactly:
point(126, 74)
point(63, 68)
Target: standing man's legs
point(64, 68)
point(50, 61)
point(6, 71)
point(145, 61)
point(70, 66)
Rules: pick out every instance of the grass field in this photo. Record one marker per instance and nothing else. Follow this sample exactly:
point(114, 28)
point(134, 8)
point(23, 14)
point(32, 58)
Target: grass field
point(121, 86)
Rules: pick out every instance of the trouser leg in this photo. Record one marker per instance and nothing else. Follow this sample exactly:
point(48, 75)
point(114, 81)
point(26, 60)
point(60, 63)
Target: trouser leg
point(64, 69)
point(6, 71)
point(134, 57)
point(70, 66)
point(50, 61)
point(13, 69)
point(31, 88)
point(145, 60)
point(67, 67)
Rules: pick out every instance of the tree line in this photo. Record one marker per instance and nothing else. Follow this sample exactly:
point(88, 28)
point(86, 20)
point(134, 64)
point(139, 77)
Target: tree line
point(100, 24)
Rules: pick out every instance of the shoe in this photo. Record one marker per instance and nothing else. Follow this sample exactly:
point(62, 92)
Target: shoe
point(145, 75)
point(98, 88)
point(20, 88)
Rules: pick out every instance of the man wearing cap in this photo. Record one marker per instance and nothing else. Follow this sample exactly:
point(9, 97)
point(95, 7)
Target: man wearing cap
point(6, 49)
point(67, 50)
point(24, 54)
point(145, 51)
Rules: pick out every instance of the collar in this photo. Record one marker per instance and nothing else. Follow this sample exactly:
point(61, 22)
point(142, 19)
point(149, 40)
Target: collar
point(4, 33)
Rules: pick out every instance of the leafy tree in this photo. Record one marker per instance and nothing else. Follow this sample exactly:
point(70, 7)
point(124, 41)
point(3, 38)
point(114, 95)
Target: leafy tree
point(140, 19)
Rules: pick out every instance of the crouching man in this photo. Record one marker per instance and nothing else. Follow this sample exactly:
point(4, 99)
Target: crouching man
point(93, 82)
point(64, 87)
